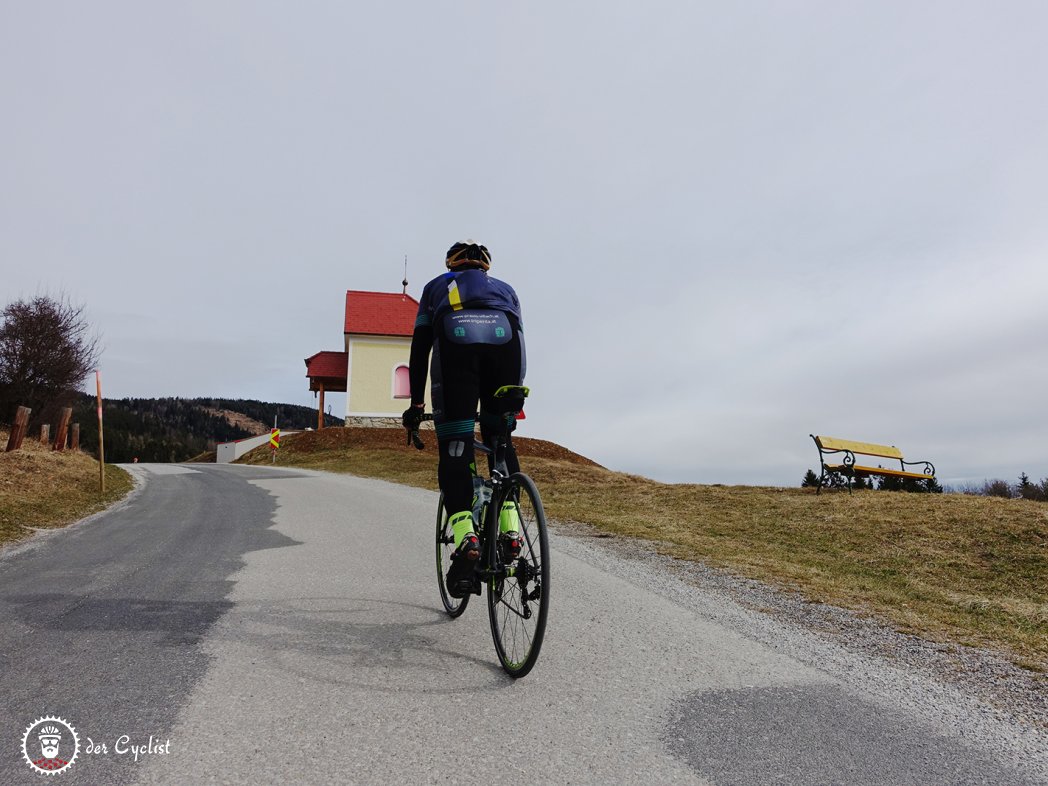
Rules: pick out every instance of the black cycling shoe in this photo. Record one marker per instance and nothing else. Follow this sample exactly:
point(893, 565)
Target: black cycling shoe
point(467, 586)
point(461, 578)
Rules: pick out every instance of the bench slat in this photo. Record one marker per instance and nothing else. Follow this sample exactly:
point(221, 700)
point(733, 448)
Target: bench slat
point(878, 471)
point(865, 448)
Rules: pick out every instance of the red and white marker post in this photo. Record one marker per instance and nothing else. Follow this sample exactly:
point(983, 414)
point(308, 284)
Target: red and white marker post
point(101, 443)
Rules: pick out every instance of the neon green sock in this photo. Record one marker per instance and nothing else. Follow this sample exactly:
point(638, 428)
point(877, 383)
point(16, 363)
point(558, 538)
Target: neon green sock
point(461, 525)
point(509, 517)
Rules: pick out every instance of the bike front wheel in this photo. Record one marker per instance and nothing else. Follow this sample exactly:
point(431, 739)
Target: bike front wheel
point(519, 602)
point(445, 546)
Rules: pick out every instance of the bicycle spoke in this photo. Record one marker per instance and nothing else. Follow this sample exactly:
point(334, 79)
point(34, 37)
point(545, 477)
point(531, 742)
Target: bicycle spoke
point(511, 609)
point(517, 630)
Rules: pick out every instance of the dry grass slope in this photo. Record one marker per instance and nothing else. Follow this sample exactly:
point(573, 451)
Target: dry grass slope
point(968, 570)
point(41, 489)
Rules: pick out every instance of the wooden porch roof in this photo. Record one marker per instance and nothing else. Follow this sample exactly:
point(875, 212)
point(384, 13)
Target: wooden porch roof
point(329, 369)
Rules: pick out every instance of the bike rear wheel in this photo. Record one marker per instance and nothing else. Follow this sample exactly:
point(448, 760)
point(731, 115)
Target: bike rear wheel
point(445, 546)
point(518, 604)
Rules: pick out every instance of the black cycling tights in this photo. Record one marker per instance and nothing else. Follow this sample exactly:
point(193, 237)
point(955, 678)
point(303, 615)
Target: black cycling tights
point(464, 375)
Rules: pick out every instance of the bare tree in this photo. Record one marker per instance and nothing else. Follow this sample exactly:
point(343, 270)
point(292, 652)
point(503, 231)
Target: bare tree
point(46, 352)
point(998, 488)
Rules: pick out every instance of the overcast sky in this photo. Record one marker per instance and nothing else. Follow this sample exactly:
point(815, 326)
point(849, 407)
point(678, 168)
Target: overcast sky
point(730, 224)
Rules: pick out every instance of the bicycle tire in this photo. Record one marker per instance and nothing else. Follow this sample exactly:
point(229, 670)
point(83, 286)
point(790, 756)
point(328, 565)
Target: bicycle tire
point(445, 545)
point(518, 636)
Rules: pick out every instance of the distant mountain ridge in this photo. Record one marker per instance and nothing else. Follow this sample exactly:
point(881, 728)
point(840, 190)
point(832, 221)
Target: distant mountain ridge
point(176, 429)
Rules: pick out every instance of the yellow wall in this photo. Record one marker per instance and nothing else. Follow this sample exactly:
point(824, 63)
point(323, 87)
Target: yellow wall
point(371, 364)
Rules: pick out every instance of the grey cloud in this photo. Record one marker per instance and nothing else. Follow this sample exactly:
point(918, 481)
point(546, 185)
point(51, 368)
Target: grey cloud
point(730, 225)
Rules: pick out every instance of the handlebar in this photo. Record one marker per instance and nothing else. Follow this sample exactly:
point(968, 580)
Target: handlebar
point(416, 440)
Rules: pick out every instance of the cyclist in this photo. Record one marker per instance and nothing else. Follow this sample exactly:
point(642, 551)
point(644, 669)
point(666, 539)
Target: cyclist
point(472, 324)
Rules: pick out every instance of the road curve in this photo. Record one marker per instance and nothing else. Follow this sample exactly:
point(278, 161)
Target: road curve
point(279, 626)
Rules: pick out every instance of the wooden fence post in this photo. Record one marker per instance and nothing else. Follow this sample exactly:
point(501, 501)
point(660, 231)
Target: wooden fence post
point(14, 442)
point(63, 429)
point(23, 425)
point(75, 437)
point(45, 434)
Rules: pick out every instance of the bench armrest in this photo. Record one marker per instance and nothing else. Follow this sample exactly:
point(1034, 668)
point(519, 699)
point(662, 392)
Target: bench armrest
point(849, 457)
point(929, 468)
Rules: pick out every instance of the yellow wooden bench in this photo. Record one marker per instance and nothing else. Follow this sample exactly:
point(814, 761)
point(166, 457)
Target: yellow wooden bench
point(841, 473)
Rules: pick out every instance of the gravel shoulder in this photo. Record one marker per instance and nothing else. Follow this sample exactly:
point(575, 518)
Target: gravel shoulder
point(972, 695)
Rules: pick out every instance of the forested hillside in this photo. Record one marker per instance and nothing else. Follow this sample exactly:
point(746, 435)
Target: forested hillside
point(176, 429)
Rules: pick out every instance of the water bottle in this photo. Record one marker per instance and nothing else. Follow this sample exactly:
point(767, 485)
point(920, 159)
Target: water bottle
point(481, 497)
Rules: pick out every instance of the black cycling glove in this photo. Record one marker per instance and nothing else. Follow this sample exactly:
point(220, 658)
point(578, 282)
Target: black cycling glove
point(412, 418)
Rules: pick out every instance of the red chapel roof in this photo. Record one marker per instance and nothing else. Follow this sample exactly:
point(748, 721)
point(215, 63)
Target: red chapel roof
point(380, 313)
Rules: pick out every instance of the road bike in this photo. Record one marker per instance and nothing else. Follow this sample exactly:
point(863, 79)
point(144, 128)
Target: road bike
point(517, 573)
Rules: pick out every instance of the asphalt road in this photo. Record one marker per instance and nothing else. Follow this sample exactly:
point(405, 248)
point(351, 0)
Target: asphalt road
point(274, 626)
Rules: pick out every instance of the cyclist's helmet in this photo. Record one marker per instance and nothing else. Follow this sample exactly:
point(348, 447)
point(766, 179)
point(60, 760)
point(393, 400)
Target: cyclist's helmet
point(468, 253)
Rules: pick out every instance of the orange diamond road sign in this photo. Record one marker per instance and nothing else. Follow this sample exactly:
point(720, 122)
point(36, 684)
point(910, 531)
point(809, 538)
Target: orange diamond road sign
point(274, 438)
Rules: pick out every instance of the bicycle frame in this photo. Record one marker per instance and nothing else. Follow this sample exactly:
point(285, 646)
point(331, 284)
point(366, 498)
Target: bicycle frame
point(490, 569)
point(515, 568)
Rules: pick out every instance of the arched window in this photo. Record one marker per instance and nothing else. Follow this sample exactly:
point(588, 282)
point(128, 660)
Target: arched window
point(401, 382)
